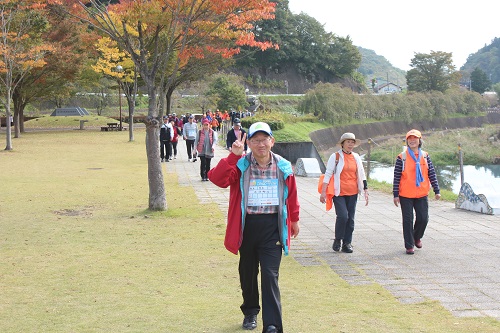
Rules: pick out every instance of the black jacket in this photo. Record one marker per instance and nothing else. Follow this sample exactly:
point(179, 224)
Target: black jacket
point(231, 137)
point(164, 133)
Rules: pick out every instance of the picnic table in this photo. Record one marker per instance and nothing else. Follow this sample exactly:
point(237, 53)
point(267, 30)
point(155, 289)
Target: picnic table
point(110, 127)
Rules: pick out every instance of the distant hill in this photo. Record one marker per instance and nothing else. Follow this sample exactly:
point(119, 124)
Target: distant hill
point(376, 66)
point(487, 59)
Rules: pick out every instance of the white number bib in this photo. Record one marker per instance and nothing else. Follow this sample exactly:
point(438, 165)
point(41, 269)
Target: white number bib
point(263, 192)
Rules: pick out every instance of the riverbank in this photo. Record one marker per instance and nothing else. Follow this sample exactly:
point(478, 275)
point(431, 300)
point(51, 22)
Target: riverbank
point(325, 139)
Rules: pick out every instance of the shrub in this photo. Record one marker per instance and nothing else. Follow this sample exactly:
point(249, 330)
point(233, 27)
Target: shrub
point(274, 122)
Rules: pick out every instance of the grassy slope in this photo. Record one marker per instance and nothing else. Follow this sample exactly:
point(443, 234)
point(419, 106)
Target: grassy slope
point(79, 253)
point(298, 131)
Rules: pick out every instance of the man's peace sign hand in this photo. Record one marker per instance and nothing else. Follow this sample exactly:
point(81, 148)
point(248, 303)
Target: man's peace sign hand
point(238, 146)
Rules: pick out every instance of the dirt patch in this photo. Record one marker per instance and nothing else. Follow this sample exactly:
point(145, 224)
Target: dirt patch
point(85, 212)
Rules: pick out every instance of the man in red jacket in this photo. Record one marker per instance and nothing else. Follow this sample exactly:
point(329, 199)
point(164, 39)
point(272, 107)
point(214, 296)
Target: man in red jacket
point(263, 214)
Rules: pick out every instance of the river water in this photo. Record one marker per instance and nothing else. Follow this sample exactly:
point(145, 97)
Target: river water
point(484, 179)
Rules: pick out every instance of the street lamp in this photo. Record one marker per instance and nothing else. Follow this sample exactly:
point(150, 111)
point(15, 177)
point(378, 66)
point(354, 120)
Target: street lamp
point(119, 69)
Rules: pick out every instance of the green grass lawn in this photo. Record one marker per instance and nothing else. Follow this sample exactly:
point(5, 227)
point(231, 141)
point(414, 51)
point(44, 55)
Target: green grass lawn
point(298, 131)
point(79, 252)
point(48, 122)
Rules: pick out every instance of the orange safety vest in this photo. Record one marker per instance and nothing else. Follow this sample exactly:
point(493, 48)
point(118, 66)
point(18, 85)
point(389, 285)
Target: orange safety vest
point(407, 185)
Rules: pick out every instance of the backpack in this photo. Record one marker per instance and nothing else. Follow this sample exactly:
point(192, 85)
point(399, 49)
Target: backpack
point(337, 156)
point(165, 133)
point(403, 157)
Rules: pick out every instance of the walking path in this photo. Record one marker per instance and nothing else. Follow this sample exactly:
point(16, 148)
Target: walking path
point(457, 266)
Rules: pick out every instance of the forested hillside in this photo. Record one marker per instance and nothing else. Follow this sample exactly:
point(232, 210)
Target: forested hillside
point(487, 59)
point(374, 66)
point(307, 55)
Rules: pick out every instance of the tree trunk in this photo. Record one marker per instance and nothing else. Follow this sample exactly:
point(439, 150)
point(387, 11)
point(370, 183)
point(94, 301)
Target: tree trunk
point(168, 99)
point(157, 195)
point(21, 120)
point(131, 108)
point(131, 93)
point(163, 101)
point(8, 134)
point(17, 132)
point(19, 103)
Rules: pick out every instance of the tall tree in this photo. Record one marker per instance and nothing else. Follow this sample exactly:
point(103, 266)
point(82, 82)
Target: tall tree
point(70, 49)
point(479, 80)
point(304, 45)
point(433, 71)
point(118, 65)
point(161, 36)
point(496, 88)
point(229, 93)
point(21, 48)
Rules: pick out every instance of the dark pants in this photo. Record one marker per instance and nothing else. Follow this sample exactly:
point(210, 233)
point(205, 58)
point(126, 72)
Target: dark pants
point(190, 148)
point(261, 245)
point(174, 149)
point(204, 166)
point(345, 208)
point(165, 149)
point(421, 208)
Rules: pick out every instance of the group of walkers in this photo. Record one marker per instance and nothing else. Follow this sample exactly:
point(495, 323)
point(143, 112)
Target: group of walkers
point(200, 142)
point(263, 212)
point(345, 178)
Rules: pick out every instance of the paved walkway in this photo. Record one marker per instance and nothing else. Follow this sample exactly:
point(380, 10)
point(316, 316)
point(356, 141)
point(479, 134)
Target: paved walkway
point(458, 265)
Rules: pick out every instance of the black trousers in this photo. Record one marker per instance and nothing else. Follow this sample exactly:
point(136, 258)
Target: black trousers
point(174, 149)
point(190, 148)
point(204, 166)
point(261, 245)
point(345, 208)
point(165, 149)
point(421, 208)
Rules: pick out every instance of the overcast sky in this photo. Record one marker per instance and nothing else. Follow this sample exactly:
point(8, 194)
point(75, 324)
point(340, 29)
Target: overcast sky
point(398, 29)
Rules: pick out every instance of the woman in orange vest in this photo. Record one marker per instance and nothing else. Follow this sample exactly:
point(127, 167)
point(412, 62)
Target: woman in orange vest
point(346, 167)
point(413, 176)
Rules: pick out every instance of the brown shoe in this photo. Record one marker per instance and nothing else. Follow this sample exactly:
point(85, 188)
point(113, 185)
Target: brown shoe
point(418, 243)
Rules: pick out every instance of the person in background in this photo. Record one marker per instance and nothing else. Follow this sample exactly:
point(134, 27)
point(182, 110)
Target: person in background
point(259, 227)
point(174, 140)
point(236, 133)
point(219, 120)
point(208, 116)
point(414, 174)
point(189, 134)
point(180, 125)
point(166, 134)
point(346, 167)
point(205, 141)
point(214, 123)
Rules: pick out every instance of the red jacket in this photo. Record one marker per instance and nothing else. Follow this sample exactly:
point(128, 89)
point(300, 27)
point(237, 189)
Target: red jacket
point(228, 172)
